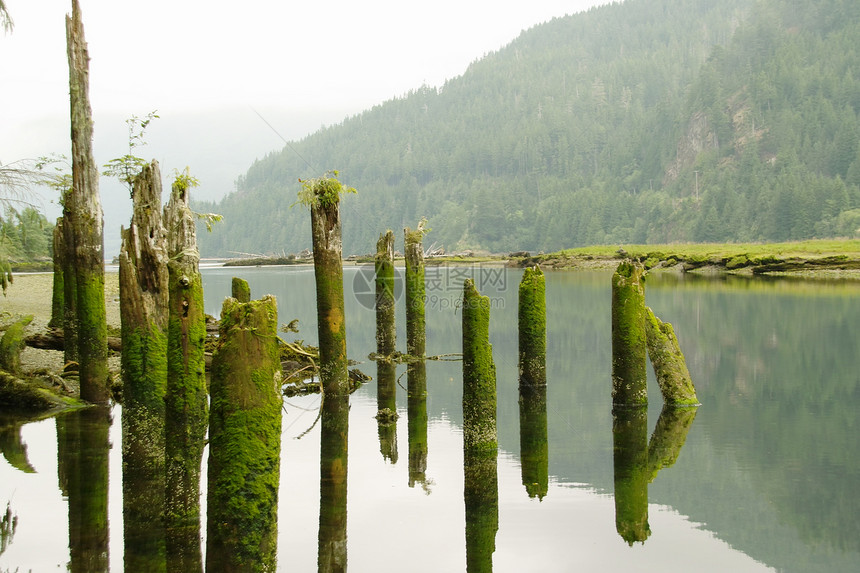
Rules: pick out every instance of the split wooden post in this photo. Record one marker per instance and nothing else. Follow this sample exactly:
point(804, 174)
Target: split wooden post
point(240, 290)
point(186, 403)
point(415, 290)
point(84, 223)
point(144, 298)
point(629, 360)
point(244, 439)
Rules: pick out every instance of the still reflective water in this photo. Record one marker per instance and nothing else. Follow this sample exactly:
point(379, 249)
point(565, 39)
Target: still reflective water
point(763, 476)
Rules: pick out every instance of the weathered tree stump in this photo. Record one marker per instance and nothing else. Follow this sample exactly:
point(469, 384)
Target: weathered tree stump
point(673, 377)
point(629, 375)
point(144, 310)
point(386, 332)
point(12, 343)
point(532, 328)
point(240, 290)
point(186, 404)
point(415, 290)
point(244, 439)
point(85, 224)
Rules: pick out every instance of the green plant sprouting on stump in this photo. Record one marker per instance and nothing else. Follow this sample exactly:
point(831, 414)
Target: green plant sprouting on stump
point(325, 190)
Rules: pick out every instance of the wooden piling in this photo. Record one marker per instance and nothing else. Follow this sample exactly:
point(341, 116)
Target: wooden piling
point(186, 404)
point(673, 377)
point(240, 290)
point(323, 197)
point(415, 289)
point(144, 297)
point(532, 328)
point(85, 224)
point(385, 327)
point(57, 303)
point(479, 373)
point(244, 439)
point(629, 382)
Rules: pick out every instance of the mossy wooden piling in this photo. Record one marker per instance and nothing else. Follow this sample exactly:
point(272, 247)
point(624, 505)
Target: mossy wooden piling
point(12, 343)
point(629, 382)
point(328, 274)
point(673, 377)
point(144, 310)
point(240, 290)
point(244, 439)
point(84, 221)
point(186, 403)
point(386, 332)
point(415, 289)
point(532, 328)
point(479, 373)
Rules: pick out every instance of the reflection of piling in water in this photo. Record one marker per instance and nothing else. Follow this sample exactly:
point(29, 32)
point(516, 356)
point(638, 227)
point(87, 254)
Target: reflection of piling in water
point(386, 404)
point(669, 436)
point(480, 492)
point(332, 554)
point(532, 328)
point(628, 335)
point(240, 290)
point(669, 364)
point(143, 298)
point(415, 289)
point(186, 404)
point(244, 439)
point(82, 454)
point(416, 407)
point(534, 446)
point(630, 460)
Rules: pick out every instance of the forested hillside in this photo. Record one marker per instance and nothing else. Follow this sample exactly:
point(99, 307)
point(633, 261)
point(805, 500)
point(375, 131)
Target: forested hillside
point(644, 121)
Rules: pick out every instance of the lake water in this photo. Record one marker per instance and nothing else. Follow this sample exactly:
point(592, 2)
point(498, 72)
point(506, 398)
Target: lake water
point(766, 472)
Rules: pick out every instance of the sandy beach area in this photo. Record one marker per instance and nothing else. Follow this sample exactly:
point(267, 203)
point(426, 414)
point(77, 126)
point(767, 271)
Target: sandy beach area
point(31, 293)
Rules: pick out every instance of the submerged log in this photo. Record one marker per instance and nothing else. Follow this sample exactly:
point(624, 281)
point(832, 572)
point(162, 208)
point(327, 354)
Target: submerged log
point(240, 290)
point(532, 328)
point(244, 439)
point(186, 404)
point(415, 289)
point(629, 382)
point(328, 274)
point(673, 377)
point(83, 219)
point(386, 332)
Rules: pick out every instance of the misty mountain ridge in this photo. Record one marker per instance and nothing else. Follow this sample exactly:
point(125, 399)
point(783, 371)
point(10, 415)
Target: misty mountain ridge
point(641, 122)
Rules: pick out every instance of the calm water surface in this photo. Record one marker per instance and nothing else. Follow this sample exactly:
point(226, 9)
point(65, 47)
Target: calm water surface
point(763, 476)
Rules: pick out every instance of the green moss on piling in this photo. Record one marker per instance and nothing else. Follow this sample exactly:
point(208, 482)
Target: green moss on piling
point(628, 335)
point(532, 328)
point(479, 373)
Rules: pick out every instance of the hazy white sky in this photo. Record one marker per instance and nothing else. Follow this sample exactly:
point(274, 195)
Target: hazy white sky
point(203, 64)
